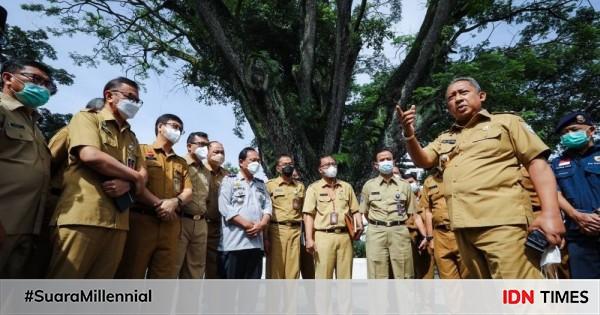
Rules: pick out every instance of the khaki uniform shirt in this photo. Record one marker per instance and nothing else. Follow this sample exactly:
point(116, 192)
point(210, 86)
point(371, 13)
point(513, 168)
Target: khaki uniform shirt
point(59, 146)
point(167, 173)
point(286, 199)
point(216, 178)
point(24, 169)
point(83, 201)
point(320, 203)
point(200, 177)
point(432, 198)
point(391, 201)
point(528, 186)
point(481, 176)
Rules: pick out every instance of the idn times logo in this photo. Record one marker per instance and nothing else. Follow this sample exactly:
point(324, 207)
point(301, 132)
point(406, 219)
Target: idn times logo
point(515, 296)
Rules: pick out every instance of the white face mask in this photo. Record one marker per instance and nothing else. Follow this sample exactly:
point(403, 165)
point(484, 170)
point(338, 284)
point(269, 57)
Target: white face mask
point(201, 153)
point(330, 172)
point(414, 187)
point(171, 134)
point(128, 108)
point(253, 167)
point(219, 158)
point(386, 167)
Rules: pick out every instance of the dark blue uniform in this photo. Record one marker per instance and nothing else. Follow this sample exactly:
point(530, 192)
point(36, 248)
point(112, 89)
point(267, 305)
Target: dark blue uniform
point(578, 179)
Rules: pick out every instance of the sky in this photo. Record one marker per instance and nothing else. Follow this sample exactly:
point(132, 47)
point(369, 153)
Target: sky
point(164, 93)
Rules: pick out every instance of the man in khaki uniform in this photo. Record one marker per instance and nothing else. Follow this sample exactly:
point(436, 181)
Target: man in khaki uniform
point(307, 263)
point(216, 157)
point(287, 195)
point(104, 159)
point(488, 209)
point(191, 254)
point(24, 155)
point(445, 250)
point(327, 201)
point(151, 248)
point(422, 260)
point(388, 202)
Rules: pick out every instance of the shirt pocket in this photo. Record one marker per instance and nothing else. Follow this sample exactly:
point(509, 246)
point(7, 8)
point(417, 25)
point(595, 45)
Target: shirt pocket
point(108, 138)
point(566, 181)
point(178, 181)
point(592, 172)
point(486, 141)
point(398, 203)
point(238, 196)
point(17, 143)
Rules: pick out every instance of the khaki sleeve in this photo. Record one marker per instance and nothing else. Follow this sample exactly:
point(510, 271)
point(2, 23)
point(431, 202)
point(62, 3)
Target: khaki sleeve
point(432, 150)
point(411, 201)
point(364, 200)
point(269, 187)
point(301, 191)
point(83, 131)
point(141, 159)
point(59, 146)
point(424, 200)
point(526, 143)
point(310, 201)
point(187, 180)
point(353, 202)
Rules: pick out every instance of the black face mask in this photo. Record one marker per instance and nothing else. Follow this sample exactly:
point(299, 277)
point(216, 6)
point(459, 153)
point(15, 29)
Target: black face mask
point(287, 170)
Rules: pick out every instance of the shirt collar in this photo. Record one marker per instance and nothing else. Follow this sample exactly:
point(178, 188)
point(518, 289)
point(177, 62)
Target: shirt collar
point(323, 183)
point(157, 147)
point(13, 104)
point(107, 115)
point(381, 180)
point(279, 181)
point(190, 160)
point(210, 168)
point(482, 114)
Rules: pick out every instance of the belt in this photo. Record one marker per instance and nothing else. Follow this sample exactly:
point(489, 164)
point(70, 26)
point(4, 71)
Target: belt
point(195, 217)
point(143, 211)
point(287, 223)
point(385, 223)
point(334, 230)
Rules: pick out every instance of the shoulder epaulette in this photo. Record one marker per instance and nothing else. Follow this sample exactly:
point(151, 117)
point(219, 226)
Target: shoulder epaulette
point(259, 180)
point(231, 175)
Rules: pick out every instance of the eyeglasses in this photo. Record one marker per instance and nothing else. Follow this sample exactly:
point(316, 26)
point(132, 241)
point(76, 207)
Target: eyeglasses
point(176, 126)
point(328, 164)
point(130, 96)
point(39, 80)
point(200, 143)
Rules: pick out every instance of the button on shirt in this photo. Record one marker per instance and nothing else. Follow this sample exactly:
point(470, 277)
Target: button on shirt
point(321, 202)
point(387, 201)
point(283, 195)
point(200, 178)
point(481, 178)
point(578, 179)
point(251, 201)
point(432, 197)
point(24, 169)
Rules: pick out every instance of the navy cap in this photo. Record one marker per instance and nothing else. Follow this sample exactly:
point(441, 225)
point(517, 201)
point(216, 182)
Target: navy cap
point(573, 118)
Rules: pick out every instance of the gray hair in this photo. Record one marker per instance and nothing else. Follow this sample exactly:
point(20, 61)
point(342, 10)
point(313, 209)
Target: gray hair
point(473, 82)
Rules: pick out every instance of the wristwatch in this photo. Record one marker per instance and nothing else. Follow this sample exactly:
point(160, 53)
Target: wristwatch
point(429, 238)
point(179, 201)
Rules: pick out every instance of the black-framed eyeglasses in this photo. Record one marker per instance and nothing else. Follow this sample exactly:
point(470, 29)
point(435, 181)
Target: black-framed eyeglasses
point(200, 143)
point(328, 164)
point(39, 80)
point(130, 97)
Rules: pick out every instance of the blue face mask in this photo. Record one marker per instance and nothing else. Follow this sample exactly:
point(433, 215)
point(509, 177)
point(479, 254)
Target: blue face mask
point(33, 95)
point(575, 139)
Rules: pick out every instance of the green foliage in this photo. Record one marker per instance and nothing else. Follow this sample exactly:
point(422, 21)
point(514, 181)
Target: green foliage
point(50, 122)
point(359, 249)
point(230, 168)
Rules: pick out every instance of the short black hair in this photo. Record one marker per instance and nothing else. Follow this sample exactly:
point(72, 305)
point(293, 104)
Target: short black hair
point(117, 82)
point(410, 175)
point(244, 153)
point(388, 149)
point(322, 157)
point(284, 155)
point(14, 65)
point(164, 118)
point(195, 134)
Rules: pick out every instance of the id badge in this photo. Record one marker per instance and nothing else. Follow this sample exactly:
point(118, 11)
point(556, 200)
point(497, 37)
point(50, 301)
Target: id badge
point(333, 218)
point(400, 207)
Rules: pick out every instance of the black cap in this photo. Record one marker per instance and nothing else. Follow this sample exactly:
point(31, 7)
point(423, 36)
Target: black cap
point(573, 118)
